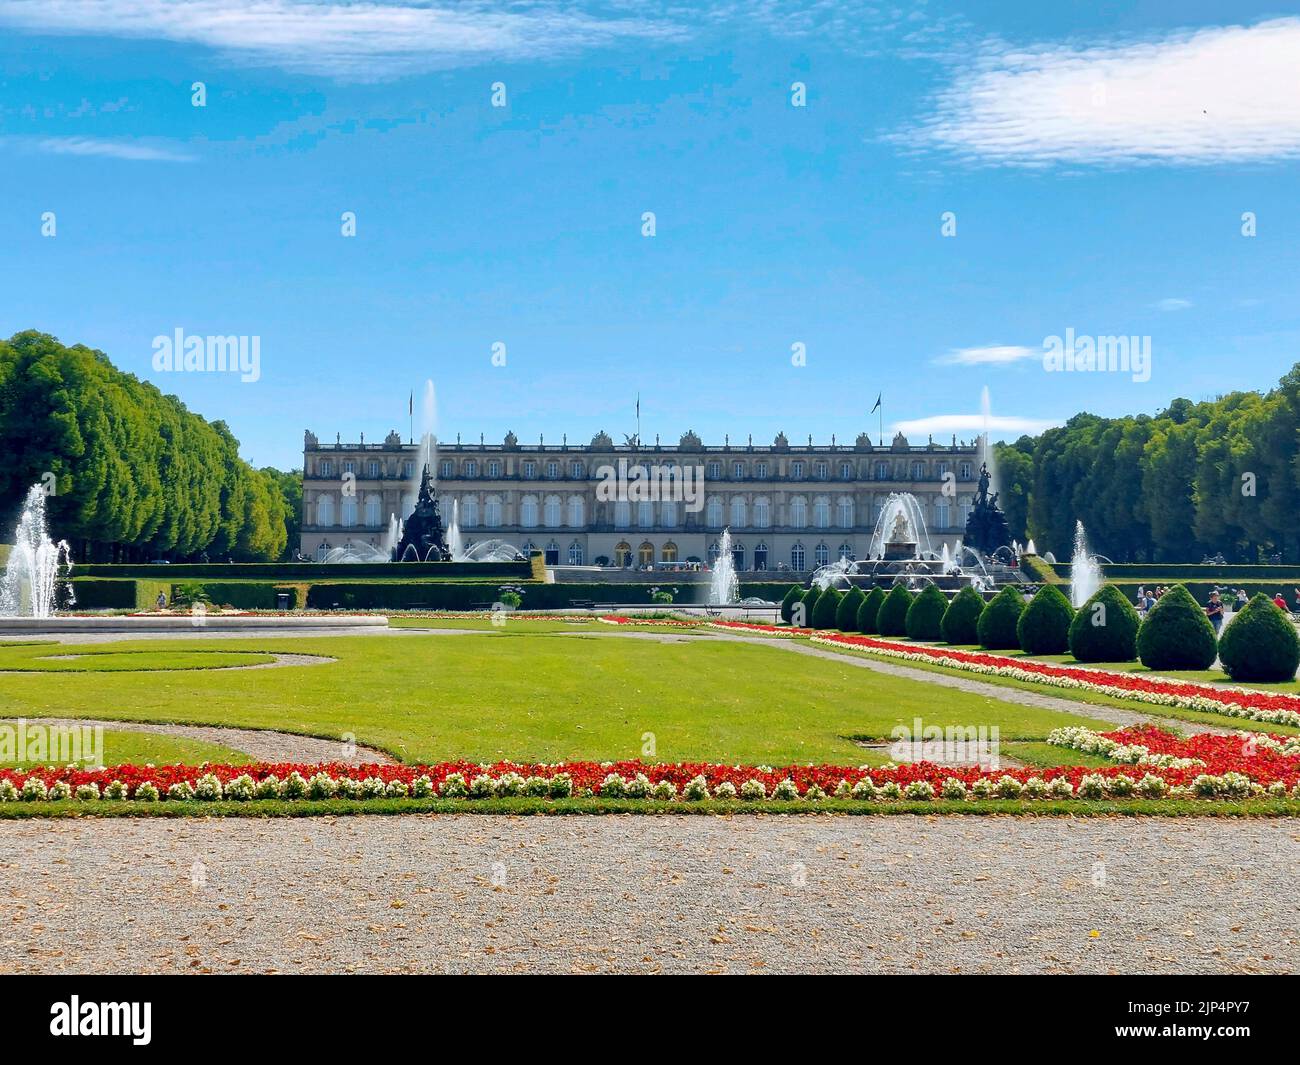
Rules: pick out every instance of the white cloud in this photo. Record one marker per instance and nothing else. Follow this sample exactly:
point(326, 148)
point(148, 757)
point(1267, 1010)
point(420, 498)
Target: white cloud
point(114, 149)
point(355, 41)
point(1224, 94)
point(971, 425)
point(994, 355)
point(1172, 304)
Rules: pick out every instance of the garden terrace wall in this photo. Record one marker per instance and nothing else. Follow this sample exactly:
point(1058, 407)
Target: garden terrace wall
point(311, 571)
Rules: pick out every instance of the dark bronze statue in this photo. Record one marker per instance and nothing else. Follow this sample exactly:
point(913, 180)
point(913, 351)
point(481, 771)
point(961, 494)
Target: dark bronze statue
point(422, 532)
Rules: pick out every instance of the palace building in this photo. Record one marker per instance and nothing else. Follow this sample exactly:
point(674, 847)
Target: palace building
point(789, 506)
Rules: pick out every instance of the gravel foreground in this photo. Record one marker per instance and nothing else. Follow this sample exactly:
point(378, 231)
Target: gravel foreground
point(479, 893)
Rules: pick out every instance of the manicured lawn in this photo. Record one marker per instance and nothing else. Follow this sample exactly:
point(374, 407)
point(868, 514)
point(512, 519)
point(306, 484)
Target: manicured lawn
point(1032, 752)
point(142, 748)
point(46, 658)
point(544, 697)
point(527, 624)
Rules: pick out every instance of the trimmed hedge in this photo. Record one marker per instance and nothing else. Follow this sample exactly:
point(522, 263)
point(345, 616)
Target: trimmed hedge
point(869, 611)
point(1260, 643)
point(925, 615)
point(892, 619)
point(1105, 628)
point(510, 572)
point(960, 620)
point(1044, 624)
point(828, 605)
point(996, 627)
point(846, 617)
point(1176, 634)
point(803, 618)
point(788, 601)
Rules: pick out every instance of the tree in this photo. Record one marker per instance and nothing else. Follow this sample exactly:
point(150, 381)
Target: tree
point(892, 619)
point(846, 615)
point(1176, 633)
point(960, 620)
point(1260, 643)
point(1044, 625)
point(925, 615)
point(869, 611)
point(803, 614)
point(1105, 628)
point(825, 611)
point(787, 604)
point(997, 623)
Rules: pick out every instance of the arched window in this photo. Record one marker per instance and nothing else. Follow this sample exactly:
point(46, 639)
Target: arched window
point(668, 553)
point(492, 512)
point(575, 554)
point(714, 552)
point(374, 511)
point(821, 554)
point(348, 511)
point(668, 515)
point(822, 512)
point(713, 513)
point(527, 549)
point(469, 511)
point(552, 554)
point(942, 514)
point(528, 512)
point(846, 551)
point(325, 510)
point(762, 515)
point(797, 557)
point(622, 554)
point(645, 514)
point(844, 512)
point(551, 511)
point(798, 513)
point(738, 512)
point(322, 551)
point(645, 554)
point(575, 512)
point(760, 556)
point(622, 514)
point(738, 555)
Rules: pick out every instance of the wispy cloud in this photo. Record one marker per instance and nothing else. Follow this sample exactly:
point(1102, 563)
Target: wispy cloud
point(972, 425)
point(137, 151)
point(1172, 304)
point(355, 41)
point(1224, 94)
point(996, 355)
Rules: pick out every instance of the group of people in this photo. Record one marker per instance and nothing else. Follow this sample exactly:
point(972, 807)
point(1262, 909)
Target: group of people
point(1216, 606)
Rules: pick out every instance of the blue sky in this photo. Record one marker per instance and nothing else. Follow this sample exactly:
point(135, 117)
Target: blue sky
point(1098, 166)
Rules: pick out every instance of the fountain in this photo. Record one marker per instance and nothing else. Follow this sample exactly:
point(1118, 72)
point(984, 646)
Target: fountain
point(36, 564)
point(455, 544)
point(1085, 572)
point(724, 585)
point(900, 530)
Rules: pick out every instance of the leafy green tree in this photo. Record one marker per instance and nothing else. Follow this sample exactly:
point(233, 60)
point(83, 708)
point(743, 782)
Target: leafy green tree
point(846, 615)
point(1044, 625)
point(869, 611)
point(787, 603)
point(1176, 633)
point(925, 615)
point(892, 619)
point(1260, 643)
point(824, 613)
point(803, 614)
point(997, 622)
point(960, 620)
point(1105, 628)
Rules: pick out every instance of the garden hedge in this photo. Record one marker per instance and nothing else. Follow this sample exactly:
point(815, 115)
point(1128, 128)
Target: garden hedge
point(1259, 643)
point(1176, 634)
point(892, 619)
point(824, 613)
point(788, 601)
point(869, 611)
point(846, 616)
point(804, 618)
point(925, 615)
point(1044, 624)
point(996, 627)
point(960, 620)
point(1105, 628)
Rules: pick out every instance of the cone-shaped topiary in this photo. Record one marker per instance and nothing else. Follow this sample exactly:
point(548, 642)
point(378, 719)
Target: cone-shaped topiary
point(846, 615)
point(1176, 633)
point(1105, 628)
point(1260, 643)
point(925, 615)
point(996, 627)
point(787, 604)
point(869, 611)
point(960, 619)
point(1044, 625)
point(823, 615)
point(892, 619)
point(801, 613)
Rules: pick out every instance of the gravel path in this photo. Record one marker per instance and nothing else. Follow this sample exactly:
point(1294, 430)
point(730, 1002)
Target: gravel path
point(279, 660)
point(264, 745)
point(477, 893)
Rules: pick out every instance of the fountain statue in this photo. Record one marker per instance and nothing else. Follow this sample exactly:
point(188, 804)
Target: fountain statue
point(36, 565)
point(986, 528)
point(423, 539)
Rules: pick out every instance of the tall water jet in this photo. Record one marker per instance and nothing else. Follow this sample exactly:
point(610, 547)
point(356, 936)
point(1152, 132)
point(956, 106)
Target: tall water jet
point(36, 564)
point(428, 450)
point(1085, 571)
point(724, 585)
point(1030, 549)
point(986, 446)
point(455, 543)
point(900, 516)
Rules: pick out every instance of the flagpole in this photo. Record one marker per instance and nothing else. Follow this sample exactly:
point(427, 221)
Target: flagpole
point(881, 408)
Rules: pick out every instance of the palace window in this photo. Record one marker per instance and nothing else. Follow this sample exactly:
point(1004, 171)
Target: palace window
point(822, 512)
point(552, 556)
point(551, 513)
point(714, 471)
point(325, 468)
point(942, 514)
point(553, 470)
point(349, 467)
point(471, 468)
point(713, 513)
point(372, 469)
point(918, 471)
point(324, 510)
point(941, 470)
point(821, 554)
point(622, 514)
point(575, 471)
point(846, 471)
point(760, 556)
point(668, 515)
point(494, 468)
point(846, 551)
point(445, 468)
point(469, 511)
point(645, 554)
point(965, 512)
point(762, 513)
point(738, 471)
point(622, 554)
point(408, 469)
point(575, 554)
point(882, 471)
point(738, 556)
point(760, 471)
point(492, 512)
point(798, 513)
point(575, 512)
point(738, 512)
point(645, 514)
point(822, 471)
point(374, 511)
point(965, 471)
point(796, 558)
point(713, 552)
point(528, 512)
point(796, 471)
point(668, 553)
point(844, 512)
point(530, 470)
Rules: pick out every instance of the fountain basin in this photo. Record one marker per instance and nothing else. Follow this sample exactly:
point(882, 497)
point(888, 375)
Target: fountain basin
point(192, 623)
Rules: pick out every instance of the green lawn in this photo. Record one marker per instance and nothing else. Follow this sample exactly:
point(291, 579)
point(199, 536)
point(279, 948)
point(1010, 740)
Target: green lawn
point(512, 694)
point(110, 658)
point(121, 747)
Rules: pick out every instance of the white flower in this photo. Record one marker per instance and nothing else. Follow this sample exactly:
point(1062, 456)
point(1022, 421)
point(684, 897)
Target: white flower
point(294, 786)
point(241, 788)
point(725, 790)
point(953, 789)
point(8, 791)
point(1092, 786)
point(537, 786)
point(86, 792)
point(510, 784)
point(1060, 788)
point(454, 786)
point(865, 789)
point(561, 786)
point(638, 787)
point(373, 788)
point(664, 790)
point(814, 793)
point(1009, 788)
point(696, 789)
point(753, 789)
point(1152, 786)
point(421, 787)
point(268, 787)
point(208, 787)
point(892, 790)
point(613, 787)
point(843, 790)
point(348, 788)
point(785, 790)
point(919, 789)
point(482, 787)
point(396, 789)
point(182, 791)
point(982, 788)
point(1121, 785)
point(321, 786)
point(146, 792)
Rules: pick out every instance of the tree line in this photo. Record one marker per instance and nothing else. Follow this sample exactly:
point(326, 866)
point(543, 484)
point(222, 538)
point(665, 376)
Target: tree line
point(132, 474)
point(1197, 479)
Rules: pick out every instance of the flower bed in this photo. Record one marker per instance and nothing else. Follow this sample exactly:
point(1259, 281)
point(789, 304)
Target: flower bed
point(1204, 766)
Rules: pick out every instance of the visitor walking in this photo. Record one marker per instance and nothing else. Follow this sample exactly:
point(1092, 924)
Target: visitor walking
point(162, 600)
point(1279, 601)
point(1242, 598)
point(1214, 611)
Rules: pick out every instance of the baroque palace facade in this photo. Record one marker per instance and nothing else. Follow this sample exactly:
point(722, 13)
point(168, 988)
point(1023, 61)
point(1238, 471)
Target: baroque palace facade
point(789, 506)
